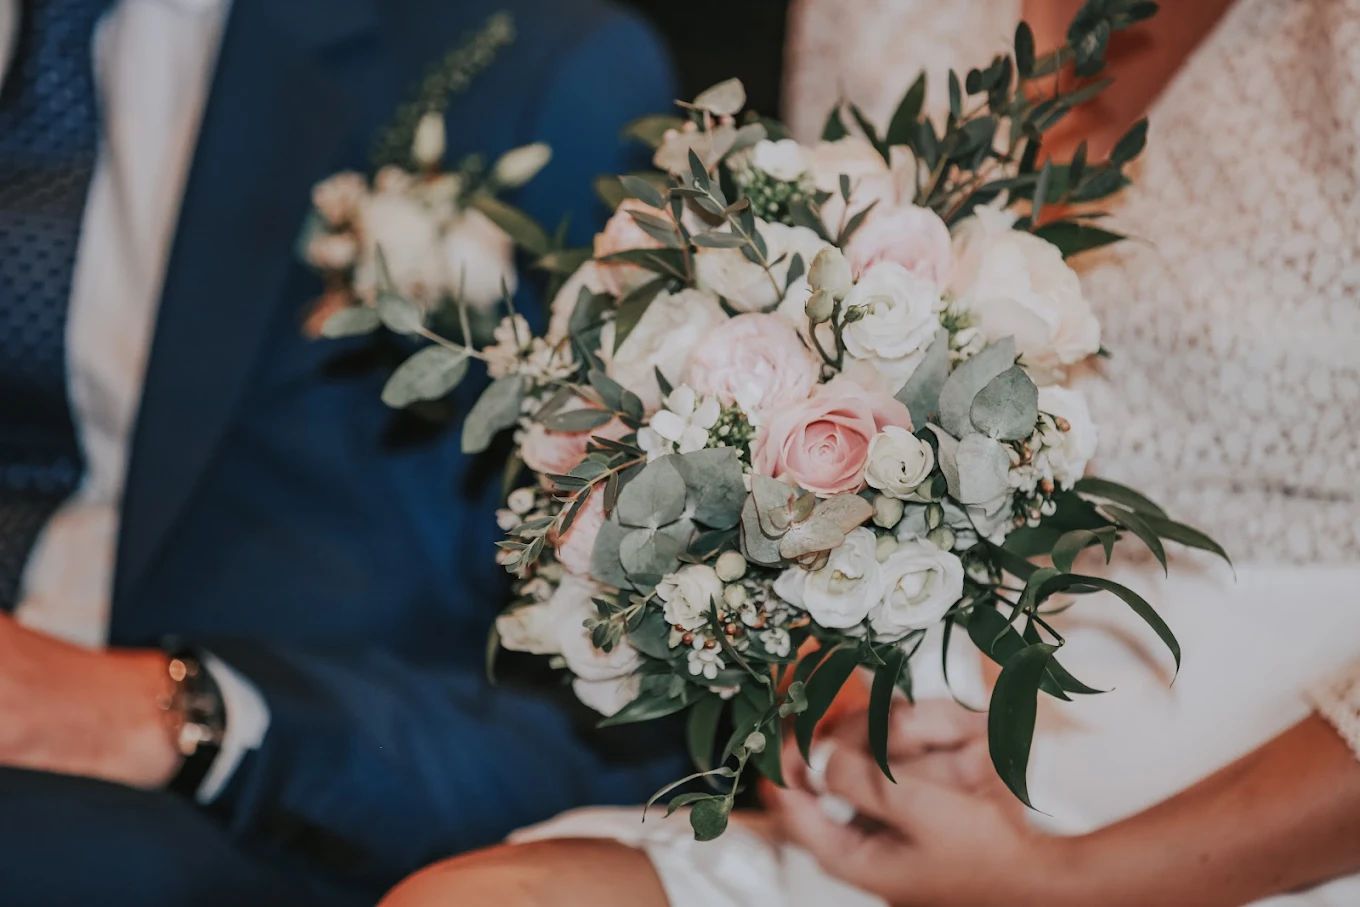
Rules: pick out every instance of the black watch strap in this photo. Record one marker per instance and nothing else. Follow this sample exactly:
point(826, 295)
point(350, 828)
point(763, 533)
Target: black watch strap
point(200, 720)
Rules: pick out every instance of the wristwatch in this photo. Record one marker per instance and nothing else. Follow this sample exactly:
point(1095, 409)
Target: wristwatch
point(198, 719)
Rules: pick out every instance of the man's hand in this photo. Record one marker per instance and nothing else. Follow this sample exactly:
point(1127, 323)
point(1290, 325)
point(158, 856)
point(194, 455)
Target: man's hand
point(78, 711)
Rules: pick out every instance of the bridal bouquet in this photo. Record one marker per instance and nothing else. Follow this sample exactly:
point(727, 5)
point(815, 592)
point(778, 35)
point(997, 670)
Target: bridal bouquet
point(805, 404)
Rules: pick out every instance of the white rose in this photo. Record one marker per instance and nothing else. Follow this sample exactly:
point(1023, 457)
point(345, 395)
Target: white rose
point(784, 160)
point(921, 583)
point(662, 339)
point(689, 594)
point(608, 696)
point(898, 462)
point(900, 320)
point(574, 607)
point(408, 236)
point(914, 237)
point(1065, 453)
point(746, 285)
point(1017, 285)
point(479, 258)
point(840, 594)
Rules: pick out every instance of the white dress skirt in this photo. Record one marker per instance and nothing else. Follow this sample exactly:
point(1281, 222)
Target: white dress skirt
point(1257, 650)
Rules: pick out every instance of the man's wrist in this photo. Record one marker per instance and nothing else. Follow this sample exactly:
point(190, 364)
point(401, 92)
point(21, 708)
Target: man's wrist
point(144, 754)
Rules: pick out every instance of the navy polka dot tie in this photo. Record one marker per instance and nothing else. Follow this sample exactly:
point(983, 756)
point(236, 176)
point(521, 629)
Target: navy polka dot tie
point(49, 127)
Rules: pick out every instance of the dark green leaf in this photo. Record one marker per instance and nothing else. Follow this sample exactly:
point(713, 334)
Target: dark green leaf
point(701, 730)
point(1071, 237)
point(1010, 718)
point(520, 227)
point(907, 113)
point(577, 420)
point(834, 128)
point(1131, 144)
point(1024, 50)
point(1138, 526)
point(1135, 602)
point(1186, 535)
point(826, 681)
point(880, 706)
point(642, 190)
point(1073, 542)
point(1106, 490)
point(708, 817)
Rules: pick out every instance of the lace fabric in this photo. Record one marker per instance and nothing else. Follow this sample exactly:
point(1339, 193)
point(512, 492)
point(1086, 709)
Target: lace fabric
point(1233, 394)
point(1338, 700)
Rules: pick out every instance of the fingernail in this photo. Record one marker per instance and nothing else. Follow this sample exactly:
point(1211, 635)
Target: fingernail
point(837, 810)
point(819, 756)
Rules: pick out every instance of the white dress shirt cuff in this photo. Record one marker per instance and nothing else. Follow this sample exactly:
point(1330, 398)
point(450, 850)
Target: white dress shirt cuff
point(247, 723)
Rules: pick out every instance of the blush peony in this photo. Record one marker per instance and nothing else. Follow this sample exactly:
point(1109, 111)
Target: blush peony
point(756, 361)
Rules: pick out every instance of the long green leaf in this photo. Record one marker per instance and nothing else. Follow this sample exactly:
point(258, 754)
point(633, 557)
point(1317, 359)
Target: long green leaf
point(1135, 602)
point(880, 706)
point(1010, 718)
point(822, 688)
point(1185, 535)
point(701, 730)
point(1119, 494)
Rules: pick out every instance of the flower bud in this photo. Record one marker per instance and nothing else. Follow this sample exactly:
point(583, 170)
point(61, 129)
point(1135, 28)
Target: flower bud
point(731, 566)
point(521, 500)
point(427, 147)
point(830, 272)
point(934, 516)
point(734, 596)
point(519, 165)
point(941, 537)
point(887, 511)
point(819, 307)
point(884, 547)
point(755, 742)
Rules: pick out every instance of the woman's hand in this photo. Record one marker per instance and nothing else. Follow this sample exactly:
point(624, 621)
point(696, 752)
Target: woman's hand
point(946, 833)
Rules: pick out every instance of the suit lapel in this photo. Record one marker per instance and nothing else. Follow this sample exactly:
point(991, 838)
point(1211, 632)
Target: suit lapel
point(274, 118)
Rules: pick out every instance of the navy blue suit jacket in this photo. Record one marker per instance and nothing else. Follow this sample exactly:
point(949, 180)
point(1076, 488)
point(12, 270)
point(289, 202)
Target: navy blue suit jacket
point(278, 515)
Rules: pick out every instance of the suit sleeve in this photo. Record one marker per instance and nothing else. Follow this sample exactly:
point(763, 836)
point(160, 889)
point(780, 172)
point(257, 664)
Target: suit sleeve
point(378, 764)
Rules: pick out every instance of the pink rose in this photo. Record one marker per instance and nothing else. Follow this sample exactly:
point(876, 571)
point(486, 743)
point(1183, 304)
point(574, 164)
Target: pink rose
point(556, 452)
point(822, 443)
point(575, 547)
point(911, 236)
point(620, 234)
point(754, 360)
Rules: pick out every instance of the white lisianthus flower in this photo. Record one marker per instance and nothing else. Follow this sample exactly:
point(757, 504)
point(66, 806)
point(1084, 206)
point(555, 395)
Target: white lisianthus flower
point(898, 462)
point(673, 325)
point(689, 594)
point(1017, 285)
point(682, 426)
point(840, 594)
point(608, 696)
point(921, 583)
point(747, 286)
point(784, 160)
point(1065, 454)
point(901, 316)
point(406, 233)
point(479, 261)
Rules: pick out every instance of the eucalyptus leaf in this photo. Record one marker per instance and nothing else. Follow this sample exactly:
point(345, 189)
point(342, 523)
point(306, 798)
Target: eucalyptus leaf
point(1007, 407)
point(709, 817)
point(642, 190)
point(399, 314)
point(573, 421)
point(983, 466)
point(831, 521)
point(647, 553)
point(605, 563)
point(966, 381)
point(428, 375)
point(727, 98)
point(758, 547)
point(716, 489)
point(921, 393)
point(351, 321)
point(654, 497)
point(495, 410)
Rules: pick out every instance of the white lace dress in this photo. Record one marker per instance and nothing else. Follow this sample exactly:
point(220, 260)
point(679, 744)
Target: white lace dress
point(1232, 397)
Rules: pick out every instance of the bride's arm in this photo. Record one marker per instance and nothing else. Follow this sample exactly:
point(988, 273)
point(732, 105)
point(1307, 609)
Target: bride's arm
point(538, 874)
point(1283, 817)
